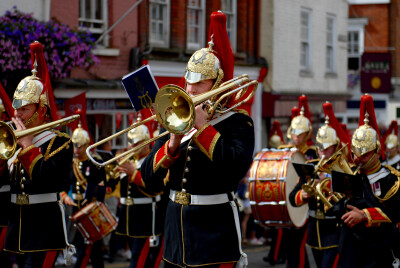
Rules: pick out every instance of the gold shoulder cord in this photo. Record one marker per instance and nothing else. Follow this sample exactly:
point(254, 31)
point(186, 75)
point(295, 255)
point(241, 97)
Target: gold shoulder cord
point(65, 145)
point(394, 188)
point(78, 174)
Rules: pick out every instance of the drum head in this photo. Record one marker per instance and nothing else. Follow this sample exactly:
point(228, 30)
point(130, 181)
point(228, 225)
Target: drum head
point(298, 215)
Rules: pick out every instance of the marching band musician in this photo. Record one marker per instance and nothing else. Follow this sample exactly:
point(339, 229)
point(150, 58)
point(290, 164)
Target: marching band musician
point(142, 211)
point(323, 231)
point(202, 226)
point(299, 132)
point(37, 173)
point(87, 182)
point(369, 237)
point(391, 145)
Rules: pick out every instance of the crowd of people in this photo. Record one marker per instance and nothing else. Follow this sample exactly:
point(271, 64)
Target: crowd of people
point(184, 199)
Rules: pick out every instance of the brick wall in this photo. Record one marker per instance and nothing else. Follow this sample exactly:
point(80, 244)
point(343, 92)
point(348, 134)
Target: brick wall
point(394, 37)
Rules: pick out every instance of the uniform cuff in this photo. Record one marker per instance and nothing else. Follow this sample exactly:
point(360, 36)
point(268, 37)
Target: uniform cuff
point(375, 217)
point(28, 157)
point(163, 159)
point(137, 178)
point(206, 138)
point(299, 199)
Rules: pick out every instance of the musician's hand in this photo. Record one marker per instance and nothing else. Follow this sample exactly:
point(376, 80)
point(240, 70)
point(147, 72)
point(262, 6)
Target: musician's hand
point(353, 217)
point(201, 116)
point(321, 175)
point(26, 141)
point(305, 195)
point(69, 202)
point(174, 144)
point(127, 168)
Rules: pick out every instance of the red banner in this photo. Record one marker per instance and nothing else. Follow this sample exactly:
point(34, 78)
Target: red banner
point(376, 73)
point(131, 117)
point(77, 105)
point(118, 119)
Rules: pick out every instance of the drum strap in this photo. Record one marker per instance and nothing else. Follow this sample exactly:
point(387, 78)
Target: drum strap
point(242, 263)
point(78, 174)
point(154, 240)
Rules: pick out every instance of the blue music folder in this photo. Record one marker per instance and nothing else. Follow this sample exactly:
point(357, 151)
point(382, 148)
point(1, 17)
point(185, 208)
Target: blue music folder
point(141, 87)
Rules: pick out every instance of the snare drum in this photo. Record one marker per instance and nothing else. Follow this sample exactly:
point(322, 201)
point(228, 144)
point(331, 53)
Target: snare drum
point(94, 221)
point(272, 178)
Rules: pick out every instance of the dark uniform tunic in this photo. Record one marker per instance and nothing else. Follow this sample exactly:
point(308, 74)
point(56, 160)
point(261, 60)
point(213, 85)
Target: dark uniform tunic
point(137, 218)
point(39, 169)
point(370, 244)
point(394, 162)
point(323, 230)
point(211, 162)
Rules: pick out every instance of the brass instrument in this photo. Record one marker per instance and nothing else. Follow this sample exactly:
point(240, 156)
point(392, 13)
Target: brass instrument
point(111, 170)
point(9, 136)
point(337, 162)
point(309, 187)
point(333, 196)
point(175, 110)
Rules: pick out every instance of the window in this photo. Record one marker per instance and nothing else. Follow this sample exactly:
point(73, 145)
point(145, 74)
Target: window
point(195, 24)
point(305, 40)
point(159, 23)
point(229, 9)
point(330, 44)
point(355, 42)
point(93, 17)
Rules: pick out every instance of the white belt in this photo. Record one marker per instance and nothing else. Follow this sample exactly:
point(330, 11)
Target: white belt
point(26, 199)
point(191, 199)
point(312, 213)
point(135, 201)
point(5, 188)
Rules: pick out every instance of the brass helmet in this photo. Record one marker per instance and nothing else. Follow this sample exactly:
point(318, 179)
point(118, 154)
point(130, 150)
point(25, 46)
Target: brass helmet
point(300, 124)
point(204, 65)
point(391, 135)
point(275, 141)
point(29, 90)
point(365, 139)
point(326, 136)
point(80, 136)
point(140, 133)
point(391, 141)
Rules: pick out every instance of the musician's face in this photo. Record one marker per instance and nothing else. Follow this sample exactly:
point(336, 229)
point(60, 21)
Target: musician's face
point(80, 151)
point(199, 87)
point(363, 159)
point(328, 152)
point(392, 151)
point(25, 113)
point(299, 139)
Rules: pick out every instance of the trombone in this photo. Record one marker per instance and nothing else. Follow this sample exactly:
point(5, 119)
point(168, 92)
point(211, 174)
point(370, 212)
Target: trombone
point(9, 136)
point(112, 169)
point(175, 110)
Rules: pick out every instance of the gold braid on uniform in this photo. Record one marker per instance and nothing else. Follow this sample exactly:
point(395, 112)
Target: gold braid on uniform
point(65, 145)
point(394, 188)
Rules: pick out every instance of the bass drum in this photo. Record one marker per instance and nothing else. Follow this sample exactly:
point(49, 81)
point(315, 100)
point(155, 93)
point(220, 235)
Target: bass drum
point(272, 178)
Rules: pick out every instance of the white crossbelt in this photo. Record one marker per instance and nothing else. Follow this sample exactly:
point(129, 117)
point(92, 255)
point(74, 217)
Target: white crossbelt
point(141, 200)
point(213, 199)
point(38, 198)
point(5, 188)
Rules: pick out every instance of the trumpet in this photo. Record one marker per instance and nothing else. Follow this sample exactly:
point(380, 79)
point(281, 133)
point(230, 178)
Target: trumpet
point(9, 136)
point(175, 110)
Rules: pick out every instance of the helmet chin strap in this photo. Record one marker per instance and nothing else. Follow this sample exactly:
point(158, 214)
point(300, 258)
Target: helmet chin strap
point(369, 166)
point(33, 118)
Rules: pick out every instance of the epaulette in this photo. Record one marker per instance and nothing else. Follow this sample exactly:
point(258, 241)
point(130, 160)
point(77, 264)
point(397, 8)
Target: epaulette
point(395, 187)
point(48, 155)
point(241, 111)
point(61, 134)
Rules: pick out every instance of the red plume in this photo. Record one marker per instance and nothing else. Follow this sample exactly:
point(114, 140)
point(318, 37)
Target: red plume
point(295, 112)
point(276, 129)
point(43, 74)
point(222, 46)
point(334, 123)
point(6, 102)
point(367, 105)
point(303, 103)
